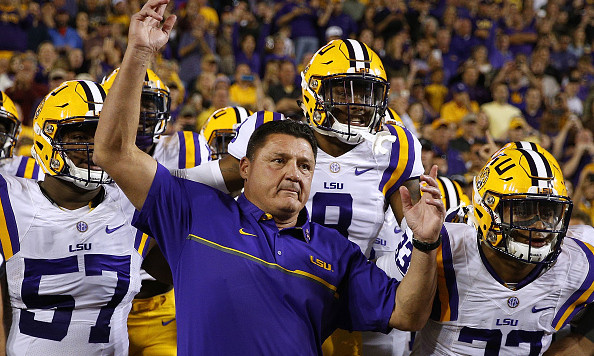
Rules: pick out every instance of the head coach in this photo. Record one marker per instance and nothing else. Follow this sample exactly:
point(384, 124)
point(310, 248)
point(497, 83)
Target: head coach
point(255, 276)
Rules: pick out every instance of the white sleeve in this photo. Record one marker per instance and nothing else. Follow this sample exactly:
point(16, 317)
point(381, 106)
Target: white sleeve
point(208, 173)
point(238, 146)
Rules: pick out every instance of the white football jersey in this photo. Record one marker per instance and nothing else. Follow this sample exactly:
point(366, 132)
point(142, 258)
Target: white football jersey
point(474, 314)
point(350, 193)
point(21, 166)
point(72, 274)
point(183, 149)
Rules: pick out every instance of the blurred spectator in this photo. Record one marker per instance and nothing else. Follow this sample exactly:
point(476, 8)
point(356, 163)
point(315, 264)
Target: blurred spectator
point(220, 99)
point(56, 77)
point(418, 94)
point(82, 26)
point(515, 75)
point(5, 80)
point(98, 36)
point(427, 154)
point(176, 95)
point(442, 135)
point(534, 108)
point(562, 58)
point(475, 82)
point(120, 13)
point(463, 40)
point(301, 16)
point(333, 33)
point(76, 61)
point(286, 92)
point(449, 59)
point(14, 23)
point(334, 16)
point(575, 148)
point(247, 54)
point(470, 133)
point(521, 29)
point(247, 89)
point(390, 19)
point(46, 57)
point(519, 130)
point(436, 91)
point(25, 91)
point(453, 111)
point(500, 112)
point(574, 103)
point(480, 56)
point(485, 28)
point(578, 42)
point(544, 74)
point(209, 64)
point(500, 54)
point(64, 36)
point(37, 33)
point(417, 116)
point(583, 196)
point(555, 116)
point(225, 48)
point(279, 52)
point(588, 118)
point(204, 86)
point(271, 75)
point(194, 43)
point(355, 9)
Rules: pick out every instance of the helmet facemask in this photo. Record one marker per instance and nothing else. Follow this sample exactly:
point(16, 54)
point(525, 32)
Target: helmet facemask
point(352, 105)
point(532, 226)
point(219, 141)
point(72, 152)
point(10, 127)
point(154, 114)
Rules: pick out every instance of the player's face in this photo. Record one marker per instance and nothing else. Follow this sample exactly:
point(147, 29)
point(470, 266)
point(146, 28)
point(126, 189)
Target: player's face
point(543, 215)
point(77, 139)
point(278, 179)
point(354, 99)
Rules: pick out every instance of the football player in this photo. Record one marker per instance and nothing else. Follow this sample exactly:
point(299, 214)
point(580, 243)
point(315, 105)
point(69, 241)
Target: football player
point(220, 128)
point(392, 245)
point(151, 324)
point(360, 164)
point(506, 285)
point(10, 128)
point(72, 257)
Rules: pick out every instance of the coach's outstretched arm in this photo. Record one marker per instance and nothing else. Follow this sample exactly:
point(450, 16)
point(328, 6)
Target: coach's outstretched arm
point(115, 149)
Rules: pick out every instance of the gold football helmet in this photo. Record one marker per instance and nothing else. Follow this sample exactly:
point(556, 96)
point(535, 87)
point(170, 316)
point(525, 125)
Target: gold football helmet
point(521, 207)
point(345, 91)
point(10, 126)
point(154, 109)
point(220, 127)
point(64, 128)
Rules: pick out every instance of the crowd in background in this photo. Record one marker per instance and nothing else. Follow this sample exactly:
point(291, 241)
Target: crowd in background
point(462, 72)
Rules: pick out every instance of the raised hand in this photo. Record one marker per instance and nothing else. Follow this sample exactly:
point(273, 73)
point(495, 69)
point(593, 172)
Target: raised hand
point(426, 217)
point(146, 31)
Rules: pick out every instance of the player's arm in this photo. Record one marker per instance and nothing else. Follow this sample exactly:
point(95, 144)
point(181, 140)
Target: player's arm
point(6, 318)
point(580, 342)
point(396, 199)
point(115, 150)
point(415, 293)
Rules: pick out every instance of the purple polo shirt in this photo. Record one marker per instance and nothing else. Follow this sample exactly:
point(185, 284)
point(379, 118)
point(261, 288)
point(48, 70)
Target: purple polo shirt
point(242, 287)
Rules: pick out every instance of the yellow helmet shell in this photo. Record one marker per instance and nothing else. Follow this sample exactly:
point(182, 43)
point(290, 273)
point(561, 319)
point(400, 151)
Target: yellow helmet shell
point(73, 102)
point(10, 124)
point(348, 60)
point(219, 129)
point(518, 171)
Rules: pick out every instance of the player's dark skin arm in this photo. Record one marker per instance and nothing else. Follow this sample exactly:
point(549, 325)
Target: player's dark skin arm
point(396, 200)
point(5, 311)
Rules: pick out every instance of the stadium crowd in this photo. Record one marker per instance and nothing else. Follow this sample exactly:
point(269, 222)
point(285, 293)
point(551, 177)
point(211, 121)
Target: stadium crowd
point(459, 70)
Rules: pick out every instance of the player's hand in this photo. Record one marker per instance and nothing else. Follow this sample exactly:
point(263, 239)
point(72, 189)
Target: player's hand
point(146, 32)
point(425, 218)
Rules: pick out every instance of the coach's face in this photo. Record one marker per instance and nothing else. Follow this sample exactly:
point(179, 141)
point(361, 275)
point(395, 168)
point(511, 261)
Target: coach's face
point(278, 179)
